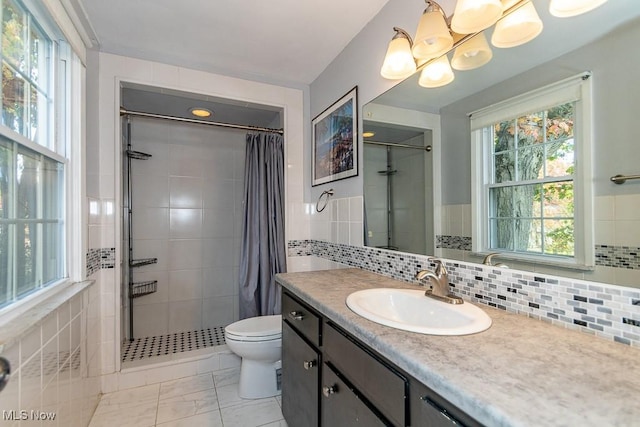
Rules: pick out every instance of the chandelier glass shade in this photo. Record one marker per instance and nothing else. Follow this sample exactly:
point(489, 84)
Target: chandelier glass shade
point(514, 23)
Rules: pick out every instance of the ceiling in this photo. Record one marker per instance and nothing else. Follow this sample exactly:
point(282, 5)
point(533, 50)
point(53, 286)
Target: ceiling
point(287, 42)
point(167, 102)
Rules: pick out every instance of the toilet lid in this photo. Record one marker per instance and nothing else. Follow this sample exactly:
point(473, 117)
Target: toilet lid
point(260, 327)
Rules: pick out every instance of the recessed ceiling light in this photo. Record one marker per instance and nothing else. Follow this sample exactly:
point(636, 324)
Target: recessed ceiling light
point(201, 112)
point(368, 134)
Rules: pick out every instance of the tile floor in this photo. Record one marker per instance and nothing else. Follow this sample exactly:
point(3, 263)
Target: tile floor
point(203, 400)
point(177, 342)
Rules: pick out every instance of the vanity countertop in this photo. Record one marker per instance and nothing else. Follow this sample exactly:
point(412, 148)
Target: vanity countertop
point(520, 372)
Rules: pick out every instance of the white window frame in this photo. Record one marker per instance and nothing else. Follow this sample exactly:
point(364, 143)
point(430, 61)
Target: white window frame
point(578, 89)
point(68, 130)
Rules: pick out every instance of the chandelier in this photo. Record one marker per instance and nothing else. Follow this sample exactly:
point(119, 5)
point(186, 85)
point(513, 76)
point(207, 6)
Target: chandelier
point(516, 22)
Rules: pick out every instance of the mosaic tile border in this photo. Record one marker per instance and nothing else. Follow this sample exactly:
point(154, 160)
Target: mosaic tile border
point(454, 242)
point(299, 247)
point(100, 258)
point(618, 256)
point(608, 311)
point(627, 257)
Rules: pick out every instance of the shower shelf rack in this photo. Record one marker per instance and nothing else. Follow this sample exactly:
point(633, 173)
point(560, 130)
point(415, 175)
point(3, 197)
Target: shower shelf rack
point(138, 155)
point(136, 289)
point(139, 289)
point(141, 262)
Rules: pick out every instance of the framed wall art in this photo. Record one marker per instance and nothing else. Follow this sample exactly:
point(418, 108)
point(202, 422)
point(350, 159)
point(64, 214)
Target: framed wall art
point(335, 140)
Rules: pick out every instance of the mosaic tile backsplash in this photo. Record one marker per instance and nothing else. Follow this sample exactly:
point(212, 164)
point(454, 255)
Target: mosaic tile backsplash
point(606, 255)
point(454, 242)
point(608, 311)
point(100, 258)
point(618, 256)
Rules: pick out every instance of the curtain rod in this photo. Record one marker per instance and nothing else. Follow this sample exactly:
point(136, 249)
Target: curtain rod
point(390, 144)
point(125, 112)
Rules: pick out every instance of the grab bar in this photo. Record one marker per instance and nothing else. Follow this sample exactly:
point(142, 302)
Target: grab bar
point(621, 179)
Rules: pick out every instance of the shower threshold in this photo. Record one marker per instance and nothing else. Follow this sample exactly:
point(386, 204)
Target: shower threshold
point(179, 342)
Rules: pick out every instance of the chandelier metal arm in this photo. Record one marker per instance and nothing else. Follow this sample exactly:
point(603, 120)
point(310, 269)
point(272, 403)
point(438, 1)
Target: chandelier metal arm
point(402, 33)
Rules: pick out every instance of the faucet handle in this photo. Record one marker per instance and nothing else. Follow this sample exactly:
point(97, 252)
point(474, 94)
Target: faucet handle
point(440, 269)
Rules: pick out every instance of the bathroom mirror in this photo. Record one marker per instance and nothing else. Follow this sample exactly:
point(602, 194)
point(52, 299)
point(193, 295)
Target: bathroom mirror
point(602, 41)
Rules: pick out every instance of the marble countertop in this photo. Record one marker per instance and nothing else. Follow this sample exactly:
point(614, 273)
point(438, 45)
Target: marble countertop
point(520, 372)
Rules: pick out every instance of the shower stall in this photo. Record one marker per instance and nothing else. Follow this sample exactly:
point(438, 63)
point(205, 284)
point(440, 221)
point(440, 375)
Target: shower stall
point(398, 190)
point(182, 222)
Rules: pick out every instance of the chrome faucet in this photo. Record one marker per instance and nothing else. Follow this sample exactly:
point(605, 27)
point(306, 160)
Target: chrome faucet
point(439, 281)
point(487, 260)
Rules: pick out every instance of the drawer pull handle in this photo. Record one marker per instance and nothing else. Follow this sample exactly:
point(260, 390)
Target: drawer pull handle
point(328, 390)
point(296, 315)
point(308, 364)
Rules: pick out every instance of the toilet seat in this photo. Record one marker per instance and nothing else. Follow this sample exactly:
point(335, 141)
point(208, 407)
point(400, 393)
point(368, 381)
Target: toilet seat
point(260, 328)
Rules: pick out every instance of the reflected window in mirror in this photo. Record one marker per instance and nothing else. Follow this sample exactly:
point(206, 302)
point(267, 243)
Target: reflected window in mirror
point(532, 177)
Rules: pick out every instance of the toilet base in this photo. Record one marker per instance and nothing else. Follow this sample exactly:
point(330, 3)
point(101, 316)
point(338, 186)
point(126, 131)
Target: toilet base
point(259, 379)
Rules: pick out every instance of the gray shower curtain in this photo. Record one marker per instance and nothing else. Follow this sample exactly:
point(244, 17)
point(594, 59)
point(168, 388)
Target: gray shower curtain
point(263, 252)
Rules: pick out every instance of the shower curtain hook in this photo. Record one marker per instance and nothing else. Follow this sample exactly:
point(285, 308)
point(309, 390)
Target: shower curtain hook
point(328, 193)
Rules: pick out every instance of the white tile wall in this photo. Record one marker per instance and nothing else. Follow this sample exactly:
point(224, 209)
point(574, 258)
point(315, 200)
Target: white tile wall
point(187, 205)
point(107, 71)
point(339, 222)
point(50, 368)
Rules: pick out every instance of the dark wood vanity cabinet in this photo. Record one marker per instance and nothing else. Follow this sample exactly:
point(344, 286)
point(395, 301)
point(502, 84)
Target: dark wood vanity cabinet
point(300, 379)
point(342, 406)
point(428, 409)
point(329, 378)
point(301, 363)
point(377, 383)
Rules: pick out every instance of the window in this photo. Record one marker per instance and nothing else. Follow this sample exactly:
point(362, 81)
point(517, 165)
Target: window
point(532, 196)
point(33, 165)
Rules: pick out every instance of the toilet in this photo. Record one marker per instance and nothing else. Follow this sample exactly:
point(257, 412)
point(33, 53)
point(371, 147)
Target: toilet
point(258, 341)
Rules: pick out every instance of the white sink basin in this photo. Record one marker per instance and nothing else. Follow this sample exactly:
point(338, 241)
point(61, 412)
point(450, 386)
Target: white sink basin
point(411, 310)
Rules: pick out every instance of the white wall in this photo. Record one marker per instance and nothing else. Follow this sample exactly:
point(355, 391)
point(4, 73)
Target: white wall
point(114, 69)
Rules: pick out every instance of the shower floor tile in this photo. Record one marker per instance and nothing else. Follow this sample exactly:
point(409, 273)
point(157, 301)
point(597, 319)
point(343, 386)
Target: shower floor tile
point(178, 342)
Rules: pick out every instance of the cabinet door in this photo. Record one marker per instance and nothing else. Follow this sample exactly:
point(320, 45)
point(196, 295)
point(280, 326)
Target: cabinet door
point(341, 406)
point(428, 409)
point(300, 380)
point(378, 382)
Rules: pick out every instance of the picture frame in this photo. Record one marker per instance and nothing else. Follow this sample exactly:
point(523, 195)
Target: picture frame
point(335, 141)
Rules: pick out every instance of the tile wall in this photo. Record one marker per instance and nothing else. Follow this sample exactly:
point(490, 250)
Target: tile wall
point(52, 368)
point(187, 206)
point(340, 221)
point(608, 311)
point(106, 73)
point(408, 225)
point(617, 240)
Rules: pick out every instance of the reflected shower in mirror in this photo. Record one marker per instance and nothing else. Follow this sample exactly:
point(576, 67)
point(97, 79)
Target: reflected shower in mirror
point(597, 42)
point(397, 188)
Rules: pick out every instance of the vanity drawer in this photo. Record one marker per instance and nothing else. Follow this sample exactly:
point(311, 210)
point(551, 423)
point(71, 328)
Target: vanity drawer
point(302, 318)
point(378, 382)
